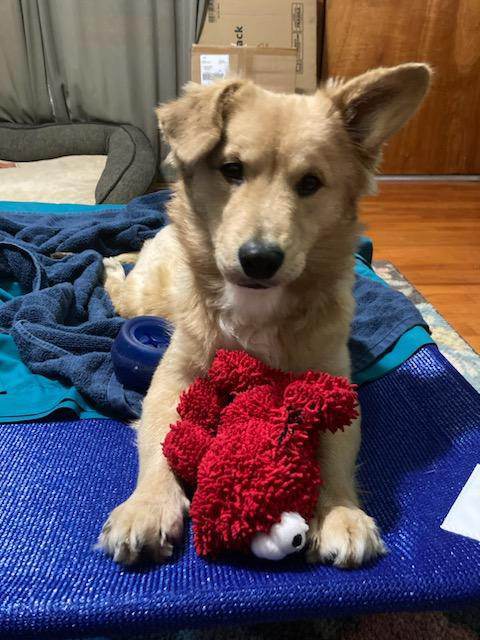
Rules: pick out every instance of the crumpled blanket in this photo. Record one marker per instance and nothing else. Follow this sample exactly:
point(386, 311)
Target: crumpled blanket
point(64, 324)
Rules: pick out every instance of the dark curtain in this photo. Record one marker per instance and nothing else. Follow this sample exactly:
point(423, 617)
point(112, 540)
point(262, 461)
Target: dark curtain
point(103, 60)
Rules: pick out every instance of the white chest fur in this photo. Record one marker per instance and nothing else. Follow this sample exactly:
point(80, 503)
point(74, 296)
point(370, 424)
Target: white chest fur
point(248, 319)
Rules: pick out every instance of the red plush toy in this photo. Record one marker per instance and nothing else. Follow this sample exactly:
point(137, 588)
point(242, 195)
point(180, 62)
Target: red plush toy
point(247, 439)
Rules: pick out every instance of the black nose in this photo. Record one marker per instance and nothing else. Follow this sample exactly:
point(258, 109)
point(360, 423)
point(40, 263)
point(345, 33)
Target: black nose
point(259, 260)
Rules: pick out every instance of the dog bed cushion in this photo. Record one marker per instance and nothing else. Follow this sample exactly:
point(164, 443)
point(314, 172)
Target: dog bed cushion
point(130, 166)
point(60, 480)
point(69, 179)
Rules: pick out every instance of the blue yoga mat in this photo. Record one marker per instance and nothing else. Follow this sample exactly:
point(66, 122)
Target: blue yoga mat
point(60, 480)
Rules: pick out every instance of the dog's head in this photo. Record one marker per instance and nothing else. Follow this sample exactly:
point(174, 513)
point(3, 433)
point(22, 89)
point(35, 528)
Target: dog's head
point(272, 180)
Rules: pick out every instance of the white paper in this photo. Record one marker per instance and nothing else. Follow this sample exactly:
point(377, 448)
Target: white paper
point(213, 67)
point(464, 516)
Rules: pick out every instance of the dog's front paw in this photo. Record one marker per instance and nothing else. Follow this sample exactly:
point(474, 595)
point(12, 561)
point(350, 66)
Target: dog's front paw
point(344, 536)
point(141, 525)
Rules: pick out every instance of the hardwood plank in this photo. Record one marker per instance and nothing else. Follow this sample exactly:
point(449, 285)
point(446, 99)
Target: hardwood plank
point(431, 233)
point(444, 137)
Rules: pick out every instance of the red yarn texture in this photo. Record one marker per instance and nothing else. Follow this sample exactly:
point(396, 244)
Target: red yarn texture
point(247, 437)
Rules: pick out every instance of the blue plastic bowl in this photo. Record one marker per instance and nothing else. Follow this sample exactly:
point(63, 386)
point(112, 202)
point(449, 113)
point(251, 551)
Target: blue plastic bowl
point(137, 350)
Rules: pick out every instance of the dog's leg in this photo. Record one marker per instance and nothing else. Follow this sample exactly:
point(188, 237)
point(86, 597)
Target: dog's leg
point(114, 283)
point(128, 258)
point(127, 292)
point(341, 532)
point(147, 288)
point(151, 519)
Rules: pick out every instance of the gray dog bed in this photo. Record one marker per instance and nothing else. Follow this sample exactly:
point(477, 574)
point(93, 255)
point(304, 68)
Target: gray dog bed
point(131, 162)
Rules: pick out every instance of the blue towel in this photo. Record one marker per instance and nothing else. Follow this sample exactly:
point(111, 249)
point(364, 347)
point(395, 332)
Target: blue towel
point(64, 324)
point(382, 315)
point(109, 232)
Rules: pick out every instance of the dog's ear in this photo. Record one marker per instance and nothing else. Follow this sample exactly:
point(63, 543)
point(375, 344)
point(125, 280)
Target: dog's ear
point(378, 103)
point(193, 124)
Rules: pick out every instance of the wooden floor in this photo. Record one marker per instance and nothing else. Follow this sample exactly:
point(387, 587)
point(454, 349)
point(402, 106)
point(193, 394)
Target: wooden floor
point(431, 233)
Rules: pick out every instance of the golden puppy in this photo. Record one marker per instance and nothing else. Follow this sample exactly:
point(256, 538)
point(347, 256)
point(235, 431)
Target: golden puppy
point(259, 256)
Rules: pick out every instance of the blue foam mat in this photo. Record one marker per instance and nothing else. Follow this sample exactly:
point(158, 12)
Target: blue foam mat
point(60, 480)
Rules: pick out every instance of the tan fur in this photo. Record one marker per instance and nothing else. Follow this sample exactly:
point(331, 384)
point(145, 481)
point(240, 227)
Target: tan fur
point(190, 273)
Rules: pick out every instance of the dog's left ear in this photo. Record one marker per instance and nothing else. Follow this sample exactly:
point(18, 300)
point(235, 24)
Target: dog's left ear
point(193, 124)
point(378, 103)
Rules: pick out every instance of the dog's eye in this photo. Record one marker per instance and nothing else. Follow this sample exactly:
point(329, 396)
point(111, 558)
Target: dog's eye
point(232, 172)
point(308, 185)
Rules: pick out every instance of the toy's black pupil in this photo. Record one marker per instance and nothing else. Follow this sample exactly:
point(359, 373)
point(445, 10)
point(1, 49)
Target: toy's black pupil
point(297, 540)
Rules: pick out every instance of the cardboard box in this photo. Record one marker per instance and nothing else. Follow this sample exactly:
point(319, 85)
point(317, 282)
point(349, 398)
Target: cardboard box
point(267, 23)
point(271, 68)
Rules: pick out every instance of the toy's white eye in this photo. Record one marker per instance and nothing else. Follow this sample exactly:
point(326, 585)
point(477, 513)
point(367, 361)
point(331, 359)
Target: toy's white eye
point(284, 538)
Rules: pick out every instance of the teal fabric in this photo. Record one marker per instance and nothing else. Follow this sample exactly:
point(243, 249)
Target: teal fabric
point(9, 289)
point(50, 207)
point(362, 268)
point(365, 249)
point(408, 344)
point(27, 396)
